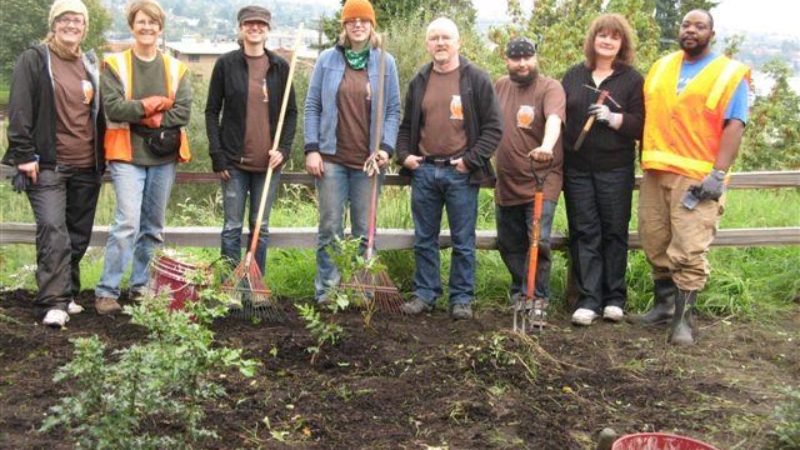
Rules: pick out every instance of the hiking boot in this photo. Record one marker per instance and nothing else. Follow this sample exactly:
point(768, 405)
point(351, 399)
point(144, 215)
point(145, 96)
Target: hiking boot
point(56, 318)
point(136, 295)
point(74, 308)
point(106, 305)
point(683, 323)
point(415, 306)
point(664, 292)
point(584, 317)
point(613, 313)
point(461, 311)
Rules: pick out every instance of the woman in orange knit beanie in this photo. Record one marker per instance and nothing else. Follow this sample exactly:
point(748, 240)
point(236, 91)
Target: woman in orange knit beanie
point(340, 129)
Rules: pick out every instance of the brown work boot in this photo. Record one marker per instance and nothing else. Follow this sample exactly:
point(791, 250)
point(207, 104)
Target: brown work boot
point(106, 306)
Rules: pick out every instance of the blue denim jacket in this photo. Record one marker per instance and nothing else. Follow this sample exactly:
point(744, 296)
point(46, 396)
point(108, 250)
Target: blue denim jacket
point(322, 115)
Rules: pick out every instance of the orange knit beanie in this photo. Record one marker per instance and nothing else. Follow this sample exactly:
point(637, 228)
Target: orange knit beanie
point(355, 9)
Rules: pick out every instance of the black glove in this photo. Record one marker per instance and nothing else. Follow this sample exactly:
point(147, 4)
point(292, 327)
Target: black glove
point(20, 182)
point(712, 187)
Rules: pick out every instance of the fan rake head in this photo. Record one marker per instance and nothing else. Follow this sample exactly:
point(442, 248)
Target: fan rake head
point(377, 289)
point(250, 298)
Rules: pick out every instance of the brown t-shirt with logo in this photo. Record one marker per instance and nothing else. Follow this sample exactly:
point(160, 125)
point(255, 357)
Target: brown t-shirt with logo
point(74, 94)
point(525, 110)
point(442, 133)
point(352, 129)
point(257, 140)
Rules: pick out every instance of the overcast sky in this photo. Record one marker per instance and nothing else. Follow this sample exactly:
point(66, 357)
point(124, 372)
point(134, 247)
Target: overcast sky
point(759, 16)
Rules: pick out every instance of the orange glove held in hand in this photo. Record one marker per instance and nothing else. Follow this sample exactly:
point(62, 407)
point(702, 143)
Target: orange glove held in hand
point(155, 104)
point(153, 121)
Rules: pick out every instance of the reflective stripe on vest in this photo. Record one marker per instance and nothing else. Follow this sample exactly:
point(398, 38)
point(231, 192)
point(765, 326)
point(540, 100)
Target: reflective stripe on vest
point(682, 131)
point(117, 141)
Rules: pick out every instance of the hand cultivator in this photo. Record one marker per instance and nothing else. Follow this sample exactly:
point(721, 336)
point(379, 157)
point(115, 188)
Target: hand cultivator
point(377, 288)
point(530, 307)
point(250, 296)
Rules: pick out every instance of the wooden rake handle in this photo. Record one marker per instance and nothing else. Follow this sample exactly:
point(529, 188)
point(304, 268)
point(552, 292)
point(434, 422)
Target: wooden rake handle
point(373, 202)
point(284, 105)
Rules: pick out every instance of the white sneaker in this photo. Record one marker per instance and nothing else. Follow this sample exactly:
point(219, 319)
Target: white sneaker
point(74, 308)
point(584, 316)
point(56, 318)
point(613, 313)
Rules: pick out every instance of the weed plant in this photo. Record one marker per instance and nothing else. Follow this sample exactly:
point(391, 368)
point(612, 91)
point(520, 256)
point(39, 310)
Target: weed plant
point(787, 422)
point(125, 399)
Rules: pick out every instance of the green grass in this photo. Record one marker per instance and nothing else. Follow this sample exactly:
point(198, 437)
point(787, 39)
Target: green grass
point(744, 282)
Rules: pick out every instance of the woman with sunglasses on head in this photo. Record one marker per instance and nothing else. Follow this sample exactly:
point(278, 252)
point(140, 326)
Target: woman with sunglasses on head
point(147, 98)
point(55, 135)
point(599, 173)
point(340, 126)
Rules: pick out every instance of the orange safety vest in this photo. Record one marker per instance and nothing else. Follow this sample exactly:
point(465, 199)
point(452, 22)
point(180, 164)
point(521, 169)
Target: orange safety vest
point(682, 131)
point(117, 142)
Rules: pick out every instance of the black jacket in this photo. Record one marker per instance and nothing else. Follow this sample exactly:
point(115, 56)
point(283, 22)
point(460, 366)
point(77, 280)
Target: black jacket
point(227, 93)
point(604, 147)
point(32, 110)
point(482, 119)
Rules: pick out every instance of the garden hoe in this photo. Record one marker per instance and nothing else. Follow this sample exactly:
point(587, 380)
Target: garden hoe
point(536, 308)
point(251, 296)
point(376, 287)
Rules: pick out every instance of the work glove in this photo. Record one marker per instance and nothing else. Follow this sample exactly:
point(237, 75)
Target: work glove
point(153, 121)
point(20, 182)
point(712, 187)
point(155, 104)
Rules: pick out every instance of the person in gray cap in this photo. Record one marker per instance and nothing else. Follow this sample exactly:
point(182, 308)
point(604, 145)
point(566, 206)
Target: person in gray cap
point(533, 109)
point(247, 87)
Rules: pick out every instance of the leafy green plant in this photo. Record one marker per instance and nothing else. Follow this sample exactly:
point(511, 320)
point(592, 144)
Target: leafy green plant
point(122, 401)
point(787, 421)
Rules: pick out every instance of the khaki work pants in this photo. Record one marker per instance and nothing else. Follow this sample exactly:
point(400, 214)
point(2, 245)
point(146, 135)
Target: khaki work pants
point(675, 239)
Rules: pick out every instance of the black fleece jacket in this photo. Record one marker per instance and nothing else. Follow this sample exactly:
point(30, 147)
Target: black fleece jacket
point(32, 111)
point(482, 119)
point(227, 93)
point(604, 148)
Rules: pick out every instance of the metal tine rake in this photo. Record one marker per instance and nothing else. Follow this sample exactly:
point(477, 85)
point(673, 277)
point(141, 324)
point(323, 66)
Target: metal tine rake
point(251, 298)
point(377, 288)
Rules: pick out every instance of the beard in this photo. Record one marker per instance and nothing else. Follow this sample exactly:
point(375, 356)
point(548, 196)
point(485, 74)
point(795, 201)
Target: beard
point(524, 80)
point(697, 50)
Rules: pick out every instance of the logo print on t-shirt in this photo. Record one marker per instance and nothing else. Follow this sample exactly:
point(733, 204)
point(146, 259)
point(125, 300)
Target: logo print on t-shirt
point(88, 91)
point(264, 91)
point(525, 115)
point(456, 111)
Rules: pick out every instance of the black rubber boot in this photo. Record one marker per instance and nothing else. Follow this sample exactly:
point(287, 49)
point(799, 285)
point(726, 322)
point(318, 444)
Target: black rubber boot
point(682, 322)
point(664, 292)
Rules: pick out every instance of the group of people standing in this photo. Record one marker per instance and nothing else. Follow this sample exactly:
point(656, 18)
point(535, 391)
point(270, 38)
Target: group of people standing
point(455, 120)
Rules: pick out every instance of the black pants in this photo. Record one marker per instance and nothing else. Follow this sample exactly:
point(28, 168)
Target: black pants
point(598, 210)
point(64, 202)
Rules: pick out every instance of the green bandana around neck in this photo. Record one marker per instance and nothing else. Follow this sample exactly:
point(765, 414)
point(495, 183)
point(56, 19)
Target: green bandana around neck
point(356, 60)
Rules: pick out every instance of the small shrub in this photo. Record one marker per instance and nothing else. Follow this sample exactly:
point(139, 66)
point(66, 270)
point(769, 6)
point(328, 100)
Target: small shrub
point(787, 422)
point(151, 394)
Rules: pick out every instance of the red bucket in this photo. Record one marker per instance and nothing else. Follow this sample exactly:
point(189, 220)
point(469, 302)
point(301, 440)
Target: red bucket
point(169, 275)
point(658, 441)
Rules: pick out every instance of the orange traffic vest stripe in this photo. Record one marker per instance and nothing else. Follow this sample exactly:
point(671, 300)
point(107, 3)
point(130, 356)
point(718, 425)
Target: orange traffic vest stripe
point(682, 131)
point(117, 141)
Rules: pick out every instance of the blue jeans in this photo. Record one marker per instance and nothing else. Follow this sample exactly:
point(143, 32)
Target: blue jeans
point(432, 188)
point(142, 193)
point(338, 186)
point(235, 192)
point(513, 241)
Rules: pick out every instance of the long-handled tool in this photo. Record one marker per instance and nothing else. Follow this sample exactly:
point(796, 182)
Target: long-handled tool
point(590, 121)
point(376, 287)
point(246, 285)
point(535, 307)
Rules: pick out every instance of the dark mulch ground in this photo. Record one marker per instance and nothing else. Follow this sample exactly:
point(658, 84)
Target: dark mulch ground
point(416, 383)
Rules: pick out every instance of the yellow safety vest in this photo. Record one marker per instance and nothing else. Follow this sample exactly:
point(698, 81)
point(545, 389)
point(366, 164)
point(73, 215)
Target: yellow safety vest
point(117, 142)
point(682, 131)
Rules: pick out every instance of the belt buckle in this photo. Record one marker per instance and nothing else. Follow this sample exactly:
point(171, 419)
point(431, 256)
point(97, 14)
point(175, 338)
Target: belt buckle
point(441, 162)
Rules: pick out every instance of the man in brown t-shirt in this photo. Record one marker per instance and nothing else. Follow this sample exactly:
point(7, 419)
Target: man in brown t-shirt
point(449, 132)
point(533, 108)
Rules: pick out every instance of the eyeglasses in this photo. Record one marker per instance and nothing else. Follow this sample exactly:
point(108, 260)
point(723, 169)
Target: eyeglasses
point(357, 21)
point(77, 21)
